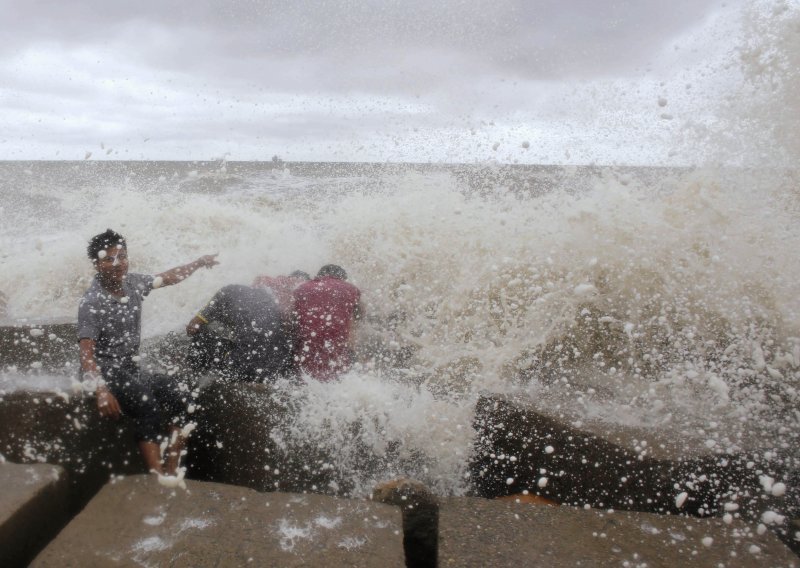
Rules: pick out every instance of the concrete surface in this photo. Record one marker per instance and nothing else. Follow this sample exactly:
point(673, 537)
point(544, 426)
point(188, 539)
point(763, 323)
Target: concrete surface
point(476, 532)
point(138, 522)
point(33, 508)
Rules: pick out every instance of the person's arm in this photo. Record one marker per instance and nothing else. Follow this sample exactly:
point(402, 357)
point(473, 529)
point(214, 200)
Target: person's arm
point(214, 310)
point(107, 403)
point(181, 273)
point(196, 325)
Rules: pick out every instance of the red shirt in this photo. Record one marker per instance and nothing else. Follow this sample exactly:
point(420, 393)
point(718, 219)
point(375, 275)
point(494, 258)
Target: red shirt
point(282, 287)
point(325, 309)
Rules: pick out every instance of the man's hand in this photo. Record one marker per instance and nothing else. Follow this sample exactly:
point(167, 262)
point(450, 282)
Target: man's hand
point(208, 260)
point(107, 403)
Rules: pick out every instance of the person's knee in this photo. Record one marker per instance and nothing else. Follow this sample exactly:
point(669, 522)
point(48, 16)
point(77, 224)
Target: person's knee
point(147, 429)
point(173, 398)
point(137, 400)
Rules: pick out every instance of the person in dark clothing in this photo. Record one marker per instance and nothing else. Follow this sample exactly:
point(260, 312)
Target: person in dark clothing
point(109, 332)
point(259, 345)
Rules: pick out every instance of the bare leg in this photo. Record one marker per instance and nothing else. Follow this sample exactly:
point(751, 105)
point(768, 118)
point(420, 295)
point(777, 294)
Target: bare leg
point(176, 445)
point(152, 456)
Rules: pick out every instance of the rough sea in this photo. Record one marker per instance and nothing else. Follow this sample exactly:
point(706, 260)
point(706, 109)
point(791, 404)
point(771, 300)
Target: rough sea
point(663, 298)
point(654, 297)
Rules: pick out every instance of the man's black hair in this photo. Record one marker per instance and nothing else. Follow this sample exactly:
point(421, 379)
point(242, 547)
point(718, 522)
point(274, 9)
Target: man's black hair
point(332, 270)
point(300, 274)
point(102, 242)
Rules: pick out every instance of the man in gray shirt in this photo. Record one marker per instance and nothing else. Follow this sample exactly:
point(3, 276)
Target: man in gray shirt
point(109, 333)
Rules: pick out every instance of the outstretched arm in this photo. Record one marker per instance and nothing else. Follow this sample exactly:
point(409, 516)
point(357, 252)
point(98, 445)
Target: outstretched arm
point(181, 273)
point(107, 403)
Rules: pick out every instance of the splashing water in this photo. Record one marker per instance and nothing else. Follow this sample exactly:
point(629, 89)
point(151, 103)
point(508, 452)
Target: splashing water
point(645, 302)
point(645, 296)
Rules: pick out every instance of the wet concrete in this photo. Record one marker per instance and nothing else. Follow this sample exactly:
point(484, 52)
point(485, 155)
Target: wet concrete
point(136, 522)
point(33, 345)
point(33, 508)
point(67, 431)
point(240, 440)
point(477, 532)
point(237, 440)
point(521, 447)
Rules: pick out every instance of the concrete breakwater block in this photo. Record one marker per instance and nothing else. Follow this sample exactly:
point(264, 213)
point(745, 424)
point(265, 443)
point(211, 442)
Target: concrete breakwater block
point(33, 508)
point(521, 447)
point(137, 521)
point(56, 428)
point(32, 345)
point(241, 438)
point(480, 532)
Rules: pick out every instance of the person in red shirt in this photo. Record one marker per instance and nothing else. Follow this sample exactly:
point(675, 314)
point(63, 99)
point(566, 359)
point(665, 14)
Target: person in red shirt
point(325, 311)
point(282, 288)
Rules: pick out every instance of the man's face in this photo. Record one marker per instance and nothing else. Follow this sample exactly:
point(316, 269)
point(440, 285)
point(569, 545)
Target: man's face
point(112, 264)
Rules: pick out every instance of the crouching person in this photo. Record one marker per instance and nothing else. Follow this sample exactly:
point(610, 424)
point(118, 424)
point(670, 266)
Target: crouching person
point(241, 334)
point(109, 331)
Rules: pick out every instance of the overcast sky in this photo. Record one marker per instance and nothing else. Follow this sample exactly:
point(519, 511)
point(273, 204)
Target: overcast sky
point(578, 81)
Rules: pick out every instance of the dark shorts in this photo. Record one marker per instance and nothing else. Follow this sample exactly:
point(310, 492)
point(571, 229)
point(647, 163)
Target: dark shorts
point(152, 401)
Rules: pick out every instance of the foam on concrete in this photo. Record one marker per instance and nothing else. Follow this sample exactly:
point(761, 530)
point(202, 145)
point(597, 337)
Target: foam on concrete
point(138, 521)
point(521, 446)
point(66, 430)
point(476, 532)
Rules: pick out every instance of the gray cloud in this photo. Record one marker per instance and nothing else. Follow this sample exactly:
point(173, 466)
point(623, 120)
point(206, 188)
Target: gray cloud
point(295, 71)
point(247, 40)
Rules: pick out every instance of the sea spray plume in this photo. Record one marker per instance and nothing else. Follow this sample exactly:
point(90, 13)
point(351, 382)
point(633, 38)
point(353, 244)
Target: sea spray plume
point(495, 285)
point(745, 112)
point(373, 428)
point(767, 105)
point(620, 290)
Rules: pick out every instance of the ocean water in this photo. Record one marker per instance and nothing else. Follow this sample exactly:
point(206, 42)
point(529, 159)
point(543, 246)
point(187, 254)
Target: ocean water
point(661, 298)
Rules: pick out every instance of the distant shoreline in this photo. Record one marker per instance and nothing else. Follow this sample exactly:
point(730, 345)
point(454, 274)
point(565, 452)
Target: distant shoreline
point(333, 166)
point(358, 164)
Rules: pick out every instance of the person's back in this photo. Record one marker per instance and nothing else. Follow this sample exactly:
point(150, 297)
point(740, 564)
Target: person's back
point(325, 311)
point(261, 347)
point(282, 288)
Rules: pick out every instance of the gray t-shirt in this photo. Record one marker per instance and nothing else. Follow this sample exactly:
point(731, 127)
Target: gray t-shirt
point(115, 324)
